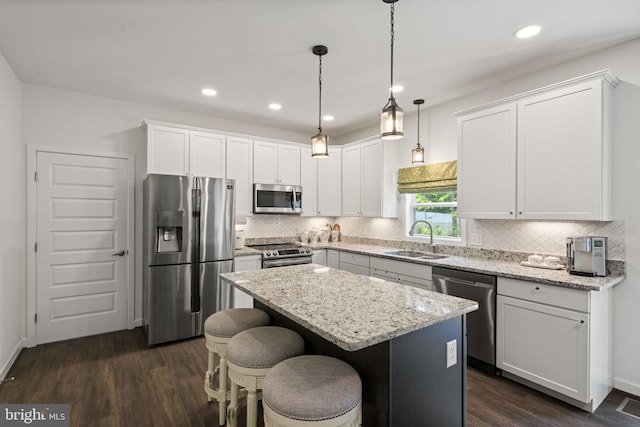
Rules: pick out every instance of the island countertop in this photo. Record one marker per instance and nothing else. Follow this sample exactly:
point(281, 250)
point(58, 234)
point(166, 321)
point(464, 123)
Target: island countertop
point(349, 310)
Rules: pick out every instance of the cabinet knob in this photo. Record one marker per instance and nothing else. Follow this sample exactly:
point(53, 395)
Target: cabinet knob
point(537, 288)
point(510, 212)
point(520, 213)
point(581, 322)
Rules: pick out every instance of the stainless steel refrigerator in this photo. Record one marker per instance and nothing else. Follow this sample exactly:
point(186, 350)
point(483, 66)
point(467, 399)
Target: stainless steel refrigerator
point(188, 239)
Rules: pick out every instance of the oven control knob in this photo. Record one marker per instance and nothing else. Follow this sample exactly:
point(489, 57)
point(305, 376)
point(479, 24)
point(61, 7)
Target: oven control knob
point(267, 254)
point(307, 250)
point(274, 253)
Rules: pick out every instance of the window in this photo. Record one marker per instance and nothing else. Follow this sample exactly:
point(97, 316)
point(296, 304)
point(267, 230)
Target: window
point(440, 208)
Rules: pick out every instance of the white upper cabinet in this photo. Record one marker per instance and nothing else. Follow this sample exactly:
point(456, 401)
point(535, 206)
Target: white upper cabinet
point(240, 168)
point(487, 163)
point(167, 150)
point(309, 182)
point(207, 154)
point(329, 185)
point(276, 163)
point(369, 183)
point(541, 155)
point(179, 151)
point(320, 180)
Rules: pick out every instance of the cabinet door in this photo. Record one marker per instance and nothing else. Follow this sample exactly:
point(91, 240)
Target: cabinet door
point(246, 263)
point(207, 154)
point(319, 256)
point(240, 167)
point(333, 258)
point(561, 155)
point(330, 183)
point(265, 165)
point(544, 344)
point(167, 150)
point(308, 181)
point(487, 163)
point(371, 179)
point(351, 168)
point(288, 164)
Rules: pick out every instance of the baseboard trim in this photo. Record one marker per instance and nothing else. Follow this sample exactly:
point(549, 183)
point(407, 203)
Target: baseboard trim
point(626, 386)
point(14, 355)
point(137, 323)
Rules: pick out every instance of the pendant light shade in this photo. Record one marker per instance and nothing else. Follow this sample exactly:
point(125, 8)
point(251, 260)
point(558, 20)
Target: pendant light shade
point(320, 141)
point(417, 154)
point(391, 115)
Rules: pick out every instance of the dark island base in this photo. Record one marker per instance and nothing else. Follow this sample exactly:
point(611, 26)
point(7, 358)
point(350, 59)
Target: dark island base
point(405, 381)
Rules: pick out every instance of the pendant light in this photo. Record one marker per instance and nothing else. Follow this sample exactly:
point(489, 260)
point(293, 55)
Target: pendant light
point(391, 115)
point(320, 142)
point(417, 154)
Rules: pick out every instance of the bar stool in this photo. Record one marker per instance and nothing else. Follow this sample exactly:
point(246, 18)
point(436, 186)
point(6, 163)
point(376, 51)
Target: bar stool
point(312, 390)
point(250, 356)
point(218, 330)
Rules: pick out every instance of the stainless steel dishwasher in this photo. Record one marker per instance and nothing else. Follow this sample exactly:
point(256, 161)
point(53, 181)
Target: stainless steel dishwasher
point(481, 324)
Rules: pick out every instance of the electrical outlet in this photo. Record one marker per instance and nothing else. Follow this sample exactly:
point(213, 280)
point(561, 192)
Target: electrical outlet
point(452, 353)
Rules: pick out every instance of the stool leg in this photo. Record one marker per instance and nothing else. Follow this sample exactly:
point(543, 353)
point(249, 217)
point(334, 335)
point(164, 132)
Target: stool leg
point(252, 408)
point(210, 367)
point(222, 381)
point(232, 411)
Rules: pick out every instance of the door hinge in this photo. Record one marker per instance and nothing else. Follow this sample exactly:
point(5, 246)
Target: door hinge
point(35, 318)
point(35, 176)
point(35, 247)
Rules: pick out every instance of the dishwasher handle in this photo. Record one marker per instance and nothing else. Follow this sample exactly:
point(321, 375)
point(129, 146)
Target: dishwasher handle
point(463, 282)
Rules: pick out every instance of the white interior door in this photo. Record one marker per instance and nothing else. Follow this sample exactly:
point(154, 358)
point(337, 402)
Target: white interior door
point(82, 250)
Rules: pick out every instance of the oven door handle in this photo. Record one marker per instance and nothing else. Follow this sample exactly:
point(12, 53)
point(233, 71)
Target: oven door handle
point(282, 262)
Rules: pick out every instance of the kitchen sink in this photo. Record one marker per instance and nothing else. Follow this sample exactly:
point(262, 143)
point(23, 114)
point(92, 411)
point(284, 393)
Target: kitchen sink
point(415, 254)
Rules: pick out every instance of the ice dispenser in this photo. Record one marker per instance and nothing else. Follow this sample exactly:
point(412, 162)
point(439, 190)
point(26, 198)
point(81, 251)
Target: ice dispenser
point(169, 231)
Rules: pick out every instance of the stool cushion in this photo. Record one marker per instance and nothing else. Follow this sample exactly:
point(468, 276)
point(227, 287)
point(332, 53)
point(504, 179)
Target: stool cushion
point(264, 346)
point(312, 388)
point(227, 323)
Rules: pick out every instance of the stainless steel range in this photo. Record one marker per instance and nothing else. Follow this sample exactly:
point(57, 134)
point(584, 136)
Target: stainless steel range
point(283, 254)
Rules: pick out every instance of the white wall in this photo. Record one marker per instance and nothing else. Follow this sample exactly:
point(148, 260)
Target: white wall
point(438, 125)
point(12, 218)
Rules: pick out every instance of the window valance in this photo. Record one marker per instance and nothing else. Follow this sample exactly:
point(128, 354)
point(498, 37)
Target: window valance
point(434, 177)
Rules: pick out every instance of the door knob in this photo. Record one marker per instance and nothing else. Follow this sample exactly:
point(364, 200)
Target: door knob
point(121, 253)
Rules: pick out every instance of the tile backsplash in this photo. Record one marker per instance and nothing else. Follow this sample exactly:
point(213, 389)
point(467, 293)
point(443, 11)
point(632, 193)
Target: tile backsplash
point(544, 237)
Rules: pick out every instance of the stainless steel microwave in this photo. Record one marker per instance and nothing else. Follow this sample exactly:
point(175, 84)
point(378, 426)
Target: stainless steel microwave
point(277, 199)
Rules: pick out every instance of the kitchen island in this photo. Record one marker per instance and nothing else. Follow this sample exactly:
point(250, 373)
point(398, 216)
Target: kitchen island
point(394, 335)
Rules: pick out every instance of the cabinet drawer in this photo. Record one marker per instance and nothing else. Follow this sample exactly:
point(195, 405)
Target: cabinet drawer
point(401, 267)
point(572, 299)
point(357, 259)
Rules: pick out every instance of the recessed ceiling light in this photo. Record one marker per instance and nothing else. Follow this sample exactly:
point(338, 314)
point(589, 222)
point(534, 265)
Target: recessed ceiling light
point(209, 92)
point(528, 31)
point(328, 118)
point(396, 88)
point(275, 106)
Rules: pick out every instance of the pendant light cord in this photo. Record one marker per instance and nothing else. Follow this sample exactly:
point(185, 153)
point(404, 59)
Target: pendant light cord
point(320, 94)
point(392, 37)
point(418, 125)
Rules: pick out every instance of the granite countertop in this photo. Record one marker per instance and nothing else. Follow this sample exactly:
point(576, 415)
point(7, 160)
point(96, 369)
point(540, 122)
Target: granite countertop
point(512, 270)
point(350, 310)
point(498, 268)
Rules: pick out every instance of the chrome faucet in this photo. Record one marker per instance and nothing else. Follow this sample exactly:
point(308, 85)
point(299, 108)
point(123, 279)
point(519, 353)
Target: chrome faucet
point(430, 229)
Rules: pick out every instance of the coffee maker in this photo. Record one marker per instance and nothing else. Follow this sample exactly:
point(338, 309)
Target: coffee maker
point(586, 256)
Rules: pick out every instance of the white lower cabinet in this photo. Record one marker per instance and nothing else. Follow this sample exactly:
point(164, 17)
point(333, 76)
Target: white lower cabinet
point(245, 263)
point(333, 258)
point(407, 273)
point(355, 263)
point(319, 256)
point(557, 338)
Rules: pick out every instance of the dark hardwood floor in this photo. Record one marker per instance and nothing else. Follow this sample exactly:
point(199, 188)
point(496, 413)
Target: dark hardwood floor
point(115, 380)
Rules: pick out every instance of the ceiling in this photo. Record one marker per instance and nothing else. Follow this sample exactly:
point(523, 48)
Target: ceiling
point(254, 52)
